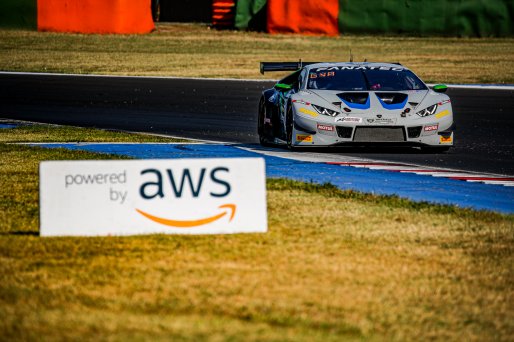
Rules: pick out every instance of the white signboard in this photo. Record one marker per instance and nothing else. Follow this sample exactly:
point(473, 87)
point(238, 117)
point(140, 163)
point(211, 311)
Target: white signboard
point(173, 196)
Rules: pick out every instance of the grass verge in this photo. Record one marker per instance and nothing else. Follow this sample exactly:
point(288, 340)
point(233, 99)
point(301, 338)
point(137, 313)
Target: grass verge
point(24, 132)
point(195, 50)
point(334, 265)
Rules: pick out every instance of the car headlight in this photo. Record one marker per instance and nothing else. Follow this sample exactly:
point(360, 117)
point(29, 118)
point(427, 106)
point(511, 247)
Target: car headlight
point(427, 111)
point(325, 111)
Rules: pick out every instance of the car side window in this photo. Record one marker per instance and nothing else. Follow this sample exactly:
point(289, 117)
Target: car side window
point(301, 78)
point(296, 85)
point(291, 80)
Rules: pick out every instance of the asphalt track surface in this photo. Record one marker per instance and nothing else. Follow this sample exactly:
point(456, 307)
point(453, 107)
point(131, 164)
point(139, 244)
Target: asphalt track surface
point(226, 110)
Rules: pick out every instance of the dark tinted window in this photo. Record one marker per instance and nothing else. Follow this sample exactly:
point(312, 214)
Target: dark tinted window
point(359, 79)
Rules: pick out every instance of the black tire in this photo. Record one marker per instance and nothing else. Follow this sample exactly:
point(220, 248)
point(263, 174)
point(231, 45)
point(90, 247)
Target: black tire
point(289, 128)
point(261, 129)
point(264, 142)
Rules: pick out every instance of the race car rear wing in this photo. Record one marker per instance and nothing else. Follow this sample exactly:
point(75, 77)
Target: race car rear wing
point(283, 66)
point(290, 66)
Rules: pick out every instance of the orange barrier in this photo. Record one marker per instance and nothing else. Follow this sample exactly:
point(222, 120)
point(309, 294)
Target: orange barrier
point(223, 13)
point(306, 16)
point(95, 16)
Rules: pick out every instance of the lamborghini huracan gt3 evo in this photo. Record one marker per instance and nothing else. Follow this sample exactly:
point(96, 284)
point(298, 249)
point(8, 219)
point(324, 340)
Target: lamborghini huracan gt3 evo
point(333, 104)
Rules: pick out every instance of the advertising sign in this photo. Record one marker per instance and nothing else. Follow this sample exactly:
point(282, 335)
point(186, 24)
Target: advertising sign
point(173, 196)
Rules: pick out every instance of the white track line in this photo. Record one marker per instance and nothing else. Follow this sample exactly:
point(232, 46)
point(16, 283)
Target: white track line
point(438, 173)
point(336, 159)
point(135, 76)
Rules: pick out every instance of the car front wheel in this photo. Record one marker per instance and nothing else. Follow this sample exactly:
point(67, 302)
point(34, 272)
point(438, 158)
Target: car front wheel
point(289, 128)
point(261, 126)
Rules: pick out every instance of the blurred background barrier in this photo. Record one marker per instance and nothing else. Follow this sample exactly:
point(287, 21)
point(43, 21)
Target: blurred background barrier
point(223, 13)
point(18, 14)
point(186, 11)
point(467, 18)
point(95, 16)
point(306, 16)
point(473, 18)
point(251, 15)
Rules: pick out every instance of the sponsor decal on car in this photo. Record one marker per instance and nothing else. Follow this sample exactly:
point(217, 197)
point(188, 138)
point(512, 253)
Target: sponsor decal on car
point(430, 128)
point(442, 114)
point(359, 68)
point(445, 140)
point(444, 102)
point(327, 128)
point(381, 121)
point(349, 119)
point(303, 138)
point(308, 112)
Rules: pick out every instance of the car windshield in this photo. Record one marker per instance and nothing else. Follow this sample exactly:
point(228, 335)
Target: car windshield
point(363, 78)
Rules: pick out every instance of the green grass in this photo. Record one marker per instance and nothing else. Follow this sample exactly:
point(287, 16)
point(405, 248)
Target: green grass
point(195, 50)
point(53, 133)
point(335, 265)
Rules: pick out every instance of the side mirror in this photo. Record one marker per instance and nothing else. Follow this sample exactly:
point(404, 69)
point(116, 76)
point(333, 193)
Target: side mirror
point(283, 87)
point(440, 88)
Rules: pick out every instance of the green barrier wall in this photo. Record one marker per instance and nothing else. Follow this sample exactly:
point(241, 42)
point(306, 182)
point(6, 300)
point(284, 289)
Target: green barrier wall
point(422, 17)
point(18, 14)
point(251, 14)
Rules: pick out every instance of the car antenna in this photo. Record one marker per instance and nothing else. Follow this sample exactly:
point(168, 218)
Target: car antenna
point(351, 56)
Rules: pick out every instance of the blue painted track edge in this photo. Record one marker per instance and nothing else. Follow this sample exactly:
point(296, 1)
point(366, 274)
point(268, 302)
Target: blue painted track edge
point(418, 188)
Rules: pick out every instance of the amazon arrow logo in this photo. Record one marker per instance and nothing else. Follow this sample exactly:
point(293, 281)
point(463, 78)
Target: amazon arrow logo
point(192, 223)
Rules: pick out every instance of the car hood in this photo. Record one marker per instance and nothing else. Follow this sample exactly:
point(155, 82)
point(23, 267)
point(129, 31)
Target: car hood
point(364, 101)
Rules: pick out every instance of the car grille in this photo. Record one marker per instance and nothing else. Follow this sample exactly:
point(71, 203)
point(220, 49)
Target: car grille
point(379, 134)
point(344, 132)
point(414, 132)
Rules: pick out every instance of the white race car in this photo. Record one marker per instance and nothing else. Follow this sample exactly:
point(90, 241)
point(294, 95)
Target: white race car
point(334, 104)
